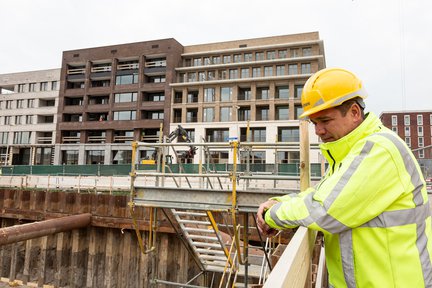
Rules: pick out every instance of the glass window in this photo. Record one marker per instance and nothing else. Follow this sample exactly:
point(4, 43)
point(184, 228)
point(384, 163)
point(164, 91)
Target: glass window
point(192, 97)
point(288, 134)
point(262, 93)
point(280, 70)
point(226, 94)
point(20, 103)
point(255, 135)
point(298, 91)
point(237, 58)
point(244, 114)
point(217, 135)
point(208, 115)
point(43, 86)
point(127, 79)
point(268, 71)
point(420, 141)
point(394, 120)
point(245, 73)
point(21, 88)
point(419, 119)
point(226, 59)
point(306, 68)
point(256, 72)
point(292, 69)
point(282, 92)
point(307, 51)
point(125, 97)
point(211, 75)
point(225, 114)
point(22, 137)
point(259, 56)
point(70, 157)
point(122, 156)
point(244, 94)
point(209, 94)
point(216, 60)
point(233, 73)
point(192, 77)
point(282, 54)
point(407, 131)
point(421, 153)
point(262, 113)
point(4, 137)
point(294, 53)
point(32, 87)
point(420, 130)
point(54, 85)
point(9, 104)
point(298, 111)
point(282, 112)
point(271, 55)
point(407, 120)
point(394, 129)
point(192, 115)
point(202, 76)
point(95, 156)
point(197, 62)
point(247, 57)
point(156, 97)
point(124, 115)
point(207, 61)
point(408, 141)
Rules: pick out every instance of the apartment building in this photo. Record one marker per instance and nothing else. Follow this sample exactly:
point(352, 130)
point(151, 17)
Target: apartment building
point(222, 90)
point(111, 96)
point(415, 127)
point(28, 109)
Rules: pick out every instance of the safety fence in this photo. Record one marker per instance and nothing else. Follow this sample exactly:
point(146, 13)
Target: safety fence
point(124, 169)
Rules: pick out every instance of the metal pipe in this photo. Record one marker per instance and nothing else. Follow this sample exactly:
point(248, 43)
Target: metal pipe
point(28, 231)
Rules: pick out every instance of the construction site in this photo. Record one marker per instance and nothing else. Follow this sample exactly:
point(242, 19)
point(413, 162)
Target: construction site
point(156, 227)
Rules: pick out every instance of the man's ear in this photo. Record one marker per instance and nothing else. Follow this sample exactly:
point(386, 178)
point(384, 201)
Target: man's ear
point(356, 112)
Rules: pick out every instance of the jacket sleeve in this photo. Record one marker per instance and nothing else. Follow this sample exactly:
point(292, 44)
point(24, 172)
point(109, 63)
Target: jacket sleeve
point(370, 178)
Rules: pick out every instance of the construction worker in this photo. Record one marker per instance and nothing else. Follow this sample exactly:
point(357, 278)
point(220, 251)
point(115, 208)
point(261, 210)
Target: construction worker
point(371, 205)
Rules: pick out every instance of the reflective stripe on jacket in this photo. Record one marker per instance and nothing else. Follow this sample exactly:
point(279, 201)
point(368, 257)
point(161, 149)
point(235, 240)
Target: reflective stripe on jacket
point(372, 207)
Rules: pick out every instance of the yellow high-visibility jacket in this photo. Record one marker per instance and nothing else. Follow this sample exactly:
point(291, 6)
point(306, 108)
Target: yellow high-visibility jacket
point(372, 207)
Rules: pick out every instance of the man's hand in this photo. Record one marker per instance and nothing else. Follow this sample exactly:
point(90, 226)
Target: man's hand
point(262, 225)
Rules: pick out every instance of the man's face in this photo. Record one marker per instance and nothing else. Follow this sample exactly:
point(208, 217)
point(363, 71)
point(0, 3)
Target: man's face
point(331, 125)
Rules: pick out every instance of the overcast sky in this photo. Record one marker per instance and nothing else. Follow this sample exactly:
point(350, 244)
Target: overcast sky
point(387, 43)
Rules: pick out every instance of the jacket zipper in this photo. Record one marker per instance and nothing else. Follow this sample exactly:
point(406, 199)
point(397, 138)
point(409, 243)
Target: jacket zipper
point(334, 161)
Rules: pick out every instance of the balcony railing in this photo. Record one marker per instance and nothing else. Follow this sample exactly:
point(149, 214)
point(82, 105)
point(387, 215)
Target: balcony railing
point(76, 71)
point(131, 66)
point(153, 64)
point(71, 139)
point(44, 140)
point(101, 69)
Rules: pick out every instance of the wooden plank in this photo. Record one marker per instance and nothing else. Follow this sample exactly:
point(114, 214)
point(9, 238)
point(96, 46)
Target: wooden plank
point(91, 260)
point(13, 263)
point(60, 246)
point(162, 256)
point(109, 260)
point(43, 261)
point(27, 259)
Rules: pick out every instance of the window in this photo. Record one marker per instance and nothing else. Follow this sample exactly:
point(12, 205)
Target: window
point(244, 114)
point(192, 97)
point(407, 131)
point(22, 137)
point(192, 115)
point(216, 60)
point(208, 115)
point(54, 85)
point(298, 111)
point(70, 157)
point(191, 77)
point(29, 119)
point(8, 120)
point(245, 73)
point(225, 114)
point(100, 83)
point(211, 75)
point(153, 115)
point(233, 74)
point(282, 54)
point(226, 59)
point(127, 79)
point(207, 61)
point(298, 89)
point(288, 157)
point(259, 56)
point(408, 141)
point(43, 86)
point(419, 130)
point(222, 74)
point(4, 137)
point(280, 70)
point(95, 156)
point(421, 153)
point(209, 94)
point(307, 51)
point(262, 113)
point(18, 120)
point(68, 101)
point(407, 121)
point(21, 88)
point(122, 156)
point(202, 76)
point(292, 69)
point(420, 120)
point(217, 135)
point(282, 112)
point(395, 129)
point(9, 104)
point(125, 97)
point(156, 79)
point(305, 68)
point(282, 92)
point(256, 72)
point(420, 142)
point(177, 115)
point(247, 57)
point(288, 134)
point(219, 157)
point(262, 93)
point(394, 120)
point(226, 93)
point(430, 119)
point(178, 97)
point(271, 55)
point(154, 97)
point(244, 94)
point(124, 115)
point(98, 100)
point(268, 71)
point(32, 87)
point(197, 62)
point(237, 58)
point(20, 103)
point(255, 135)
point(72, 118)
point(294, 53)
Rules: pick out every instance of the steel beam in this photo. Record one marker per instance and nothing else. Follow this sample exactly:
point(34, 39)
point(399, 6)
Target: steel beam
point(28, 231)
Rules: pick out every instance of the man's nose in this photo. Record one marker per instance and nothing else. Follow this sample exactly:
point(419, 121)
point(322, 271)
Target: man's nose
point(319, 129)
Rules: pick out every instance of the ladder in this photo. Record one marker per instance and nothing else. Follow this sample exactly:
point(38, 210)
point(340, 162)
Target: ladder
point(203, 236)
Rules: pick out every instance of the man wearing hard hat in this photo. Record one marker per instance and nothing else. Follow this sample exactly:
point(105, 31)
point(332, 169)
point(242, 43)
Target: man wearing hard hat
point(372, 205)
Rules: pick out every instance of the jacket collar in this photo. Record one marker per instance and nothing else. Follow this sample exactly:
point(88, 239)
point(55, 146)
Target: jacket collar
point(340, 148)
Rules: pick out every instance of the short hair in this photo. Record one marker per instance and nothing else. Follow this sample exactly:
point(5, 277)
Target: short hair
point(344, 107)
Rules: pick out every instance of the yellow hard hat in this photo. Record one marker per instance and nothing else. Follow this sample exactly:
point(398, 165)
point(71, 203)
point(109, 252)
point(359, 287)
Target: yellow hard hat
point(329, 88)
